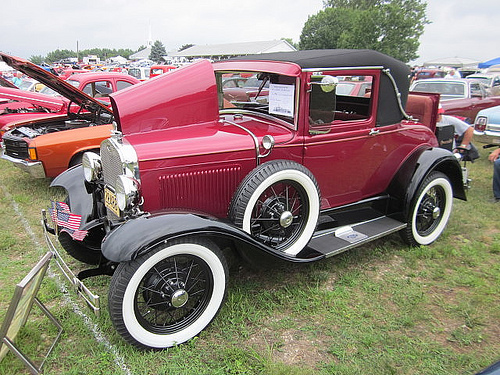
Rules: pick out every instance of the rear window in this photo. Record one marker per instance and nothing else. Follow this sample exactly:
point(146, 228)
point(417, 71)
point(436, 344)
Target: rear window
point(448, 90)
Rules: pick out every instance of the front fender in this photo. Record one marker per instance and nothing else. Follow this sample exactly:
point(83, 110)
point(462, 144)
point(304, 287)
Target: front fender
point(418, 166)
point(79, 200)
point(138, 236)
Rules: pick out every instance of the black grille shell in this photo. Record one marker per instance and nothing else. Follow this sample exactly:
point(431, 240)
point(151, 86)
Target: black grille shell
point(15, 147)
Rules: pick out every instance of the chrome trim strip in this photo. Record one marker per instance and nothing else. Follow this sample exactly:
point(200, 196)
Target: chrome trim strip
point(24, 98)
point(344, 68)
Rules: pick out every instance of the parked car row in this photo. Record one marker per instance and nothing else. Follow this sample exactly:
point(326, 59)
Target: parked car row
point(43, 134)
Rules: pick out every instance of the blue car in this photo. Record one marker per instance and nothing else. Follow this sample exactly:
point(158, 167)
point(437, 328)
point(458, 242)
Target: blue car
point(487, 126)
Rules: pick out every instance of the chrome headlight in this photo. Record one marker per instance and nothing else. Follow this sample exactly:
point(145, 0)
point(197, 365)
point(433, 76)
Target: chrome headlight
point(92, 166)
point(126, 192)
point(268, 142)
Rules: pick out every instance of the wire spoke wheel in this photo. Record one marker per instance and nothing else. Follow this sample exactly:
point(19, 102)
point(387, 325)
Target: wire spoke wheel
point(278, 204)
point(279, 214)
point(173, 294)
point(429, 211)
point(169, 295)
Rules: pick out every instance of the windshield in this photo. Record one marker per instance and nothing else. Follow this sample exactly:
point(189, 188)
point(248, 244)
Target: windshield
point(48, 91)
point(485, 80)
point(26, 85)
point(262, 92)
point(137, 73)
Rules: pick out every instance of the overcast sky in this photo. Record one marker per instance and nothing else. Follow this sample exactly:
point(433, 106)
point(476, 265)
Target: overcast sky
point(462, 28)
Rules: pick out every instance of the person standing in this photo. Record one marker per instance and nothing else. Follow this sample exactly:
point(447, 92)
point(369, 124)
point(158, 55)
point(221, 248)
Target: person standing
point(17, 80)
point(494, 158)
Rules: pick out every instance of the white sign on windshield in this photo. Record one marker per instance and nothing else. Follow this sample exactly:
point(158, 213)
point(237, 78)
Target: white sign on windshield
point(281, 99)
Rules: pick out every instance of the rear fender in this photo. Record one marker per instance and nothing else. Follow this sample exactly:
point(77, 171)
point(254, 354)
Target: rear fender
point(138, 236)
point(417, 167)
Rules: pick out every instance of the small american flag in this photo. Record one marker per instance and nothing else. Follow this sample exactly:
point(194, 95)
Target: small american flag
point(68, 222)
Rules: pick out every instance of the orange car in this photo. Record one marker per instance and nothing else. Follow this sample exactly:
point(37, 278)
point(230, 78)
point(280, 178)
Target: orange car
point(45, 147)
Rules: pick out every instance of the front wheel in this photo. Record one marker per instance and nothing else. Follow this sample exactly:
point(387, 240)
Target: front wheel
point(168, 295)
point(429, 211)
point(278, 203)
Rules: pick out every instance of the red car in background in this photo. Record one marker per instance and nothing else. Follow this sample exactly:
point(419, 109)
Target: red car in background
point(65, 73)
point(156, 70)
point(23, 105)
point(45, 144)
point(98, 84)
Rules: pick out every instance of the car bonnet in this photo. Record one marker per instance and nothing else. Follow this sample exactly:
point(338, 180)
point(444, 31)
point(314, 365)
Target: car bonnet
point(60, 86)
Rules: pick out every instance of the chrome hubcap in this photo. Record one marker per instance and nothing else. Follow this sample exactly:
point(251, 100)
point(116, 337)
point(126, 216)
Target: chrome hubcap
point(436, 213)
point(286, 219)
point(179, 298)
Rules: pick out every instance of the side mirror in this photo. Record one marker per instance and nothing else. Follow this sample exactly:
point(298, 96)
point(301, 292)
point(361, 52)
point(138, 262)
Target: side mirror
point(328, 83)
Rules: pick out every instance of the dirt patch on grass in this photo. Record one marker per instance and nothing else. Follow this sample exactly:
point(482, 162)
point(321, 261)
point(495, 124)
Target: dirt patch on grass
point(292, 346)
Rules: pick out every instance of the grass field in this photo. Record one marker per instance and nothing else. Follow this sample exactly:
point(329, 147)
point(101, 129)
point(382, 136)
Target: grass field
point(383, 308)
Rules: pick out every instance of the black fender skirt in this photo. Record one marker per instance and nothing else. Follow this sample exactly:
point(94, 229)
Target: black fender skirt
point(138, 236)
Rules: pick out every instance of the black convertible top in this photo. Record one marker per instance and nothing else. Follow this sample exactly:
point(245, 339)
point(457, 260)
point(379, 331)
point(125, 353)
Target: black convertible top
point(388, 108)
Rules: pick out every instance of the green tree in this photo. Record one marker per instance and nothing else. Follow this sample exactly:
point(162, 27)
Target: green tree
point(157, 51)
point(59, 55)
point(38, 59)
point(389, 26)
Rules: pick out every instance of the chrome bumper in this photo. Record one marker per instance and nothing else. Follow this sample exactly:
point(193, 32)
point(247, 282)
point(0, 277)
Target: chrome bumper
point(488, 137)
point(92, 300)
point(34, 168)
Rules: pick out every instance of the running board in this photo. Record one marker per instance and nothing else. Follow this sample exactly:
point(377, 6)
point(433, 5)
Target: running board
point(333, 241)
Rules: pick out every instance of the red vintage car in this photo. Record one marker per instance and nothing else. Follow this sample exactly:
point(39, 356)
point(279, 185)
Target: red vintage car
point(157, 70)
point(303, 175)
point(47, 140)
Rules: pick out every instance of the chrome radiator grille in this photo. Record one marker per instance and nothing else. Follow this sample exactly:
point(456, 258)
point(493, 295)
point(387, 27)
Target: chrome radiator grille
point(112, 165)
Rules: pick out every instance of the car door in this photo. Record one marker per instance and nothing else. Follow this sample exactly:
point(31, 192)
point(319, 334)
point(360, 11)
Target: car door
point(349, 155)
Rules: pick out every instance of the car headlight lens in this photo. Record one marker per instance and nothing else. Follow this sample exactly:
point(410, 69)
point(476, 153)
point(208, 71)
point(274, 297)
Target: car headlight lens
point(92, 166)
point(126, 192)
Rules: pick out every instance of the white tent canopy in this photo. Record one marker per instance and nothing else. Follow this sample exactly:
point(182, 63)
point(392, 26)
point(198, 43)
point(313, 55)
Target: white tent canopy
point(453, 62)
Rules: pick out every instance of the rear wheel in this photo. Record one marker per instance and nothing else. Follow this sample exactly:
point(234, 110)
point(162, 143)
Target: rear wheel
point(430, 210)
point(169, 295)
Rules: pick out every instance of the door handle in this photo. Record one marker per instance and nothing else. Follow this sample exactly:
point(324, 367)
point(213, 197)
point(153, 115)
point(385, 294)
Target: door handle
point(374, 131)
